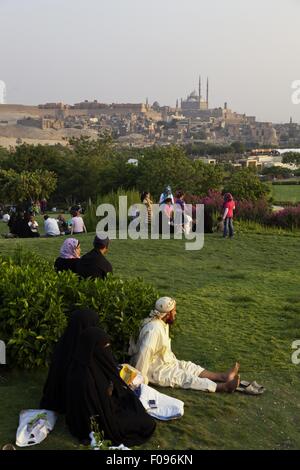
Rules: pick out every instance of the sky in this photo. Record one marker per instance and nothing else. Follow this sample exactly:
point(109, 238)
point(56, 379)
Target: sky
point(128, 50)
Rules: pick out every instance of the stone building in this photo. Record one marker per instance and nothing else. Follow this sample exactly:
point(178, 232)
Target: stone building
point(41, 123)
point(195, 102)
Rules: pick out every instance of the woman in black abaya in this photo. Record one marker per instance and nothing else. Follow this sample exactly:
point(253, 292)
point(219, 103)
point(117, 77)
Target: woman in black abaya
point(95, 389)
point(54, 393)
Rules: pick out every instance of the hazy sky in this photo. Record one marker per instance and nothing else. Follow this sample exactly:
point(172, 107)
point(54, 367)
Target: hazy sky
point(126, 50)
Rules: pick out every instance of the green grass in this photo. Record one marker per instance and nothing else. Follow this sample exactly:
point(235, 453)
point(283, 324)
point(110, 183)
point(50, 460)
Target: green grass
point(237, 300)
point(285, 193)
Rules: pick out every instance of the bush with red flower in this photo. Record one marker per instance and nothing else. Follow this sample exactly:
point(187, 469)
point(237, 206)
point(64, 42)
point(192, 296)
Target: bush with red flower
point(288, 218)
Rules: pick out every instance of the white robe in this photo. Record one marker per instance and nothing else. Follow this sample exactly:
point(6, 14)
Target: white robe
point(153, 357)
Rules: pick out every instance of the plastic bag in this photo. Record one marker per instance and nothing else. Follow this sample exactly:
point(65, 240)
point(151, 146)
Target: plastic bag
point(160, 406)
point(34, 426)
point(131, 376)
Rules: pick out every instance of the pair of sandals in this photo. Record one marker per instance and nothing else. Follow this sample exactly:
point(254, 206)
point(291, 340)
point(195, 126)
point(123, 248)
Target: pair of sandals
point(250, 388)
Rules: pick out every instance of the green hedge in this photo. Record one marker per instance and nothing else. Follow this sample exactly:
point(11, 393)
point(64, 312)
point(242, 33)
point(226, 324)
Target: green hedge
point(35, 303)
point(286, 183)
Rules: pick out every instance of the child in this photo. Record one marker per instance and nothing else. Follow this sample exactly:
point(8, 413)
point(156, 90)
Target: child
point(219, 226)
point(33, 224)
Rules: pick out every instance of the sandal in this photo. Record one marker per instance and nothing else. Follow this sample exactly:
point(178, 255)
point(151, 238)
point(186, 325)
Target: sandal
point(250, 388)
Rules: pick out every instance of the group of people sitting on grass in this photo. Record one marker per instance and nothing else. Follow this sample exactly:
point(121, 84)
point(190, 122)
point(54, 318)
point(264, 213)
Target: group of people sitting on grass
point(84, 381)
point(23, 225)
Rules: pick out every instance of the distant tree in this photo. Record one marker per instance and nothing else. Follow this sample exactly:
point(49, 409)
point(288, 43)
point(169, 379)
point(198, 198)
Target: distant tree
point(277, 171)
point(118, 173)
point(171, 166)
point(206, 177)
point(291, 157)
point(203, 149)
point(28, 157)
point(4, 154)
point(84, 146)
point(244, 184)
point(162, 166)
point(297, 172)
point(26, 186)
point(238, 147)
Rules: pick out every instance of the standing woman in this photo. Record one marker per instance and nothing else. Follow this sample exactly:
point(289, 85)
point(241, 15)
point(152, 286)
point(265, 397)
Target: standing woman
point(146, 199)
point(95, 389)
point(228, 208)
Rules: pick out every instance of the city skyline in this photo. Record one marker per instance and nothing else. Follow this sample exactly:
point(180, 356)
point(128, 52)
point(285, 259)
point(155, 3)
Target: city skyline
point(128, 50)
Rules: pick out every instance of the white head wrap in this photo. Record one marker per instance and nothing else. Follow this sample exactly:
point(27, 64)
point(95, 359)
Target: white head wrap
point(163, 306)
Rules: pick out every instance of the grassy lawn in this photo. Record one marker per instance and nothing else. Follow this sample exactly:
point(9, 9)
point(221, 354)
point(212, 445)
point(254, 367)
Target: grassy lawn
point(285, 193)
point(237, 300)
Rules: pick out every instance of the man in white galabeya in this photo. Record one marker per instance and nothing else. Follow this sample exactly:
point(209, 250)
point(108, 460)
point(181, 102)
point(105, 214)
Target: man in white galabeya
point(153, 356)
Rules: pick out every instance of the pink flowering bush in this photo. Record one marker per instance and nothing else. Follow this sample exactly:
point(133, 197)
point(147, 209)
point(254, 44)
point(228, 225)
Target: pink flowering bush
point(259, 211)
point(288, 218)
point(214, 200)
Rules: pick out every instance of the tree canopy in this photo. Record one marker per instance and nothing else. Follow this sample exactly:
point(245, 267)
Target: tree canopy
point(86, 168)
point(27, 185)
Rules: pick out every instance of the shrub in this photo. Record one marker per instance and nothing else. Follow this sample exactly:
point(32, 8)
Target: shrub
point(288, 218)
point(256, 211)
point(213, 199)
point(245, 184)
point(90, 218)
point(34, 308)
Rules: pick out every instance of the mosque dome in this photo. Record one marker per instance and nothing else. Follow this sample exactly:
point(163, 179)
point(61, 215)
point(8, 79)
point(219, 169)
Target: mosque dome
point(193, 96)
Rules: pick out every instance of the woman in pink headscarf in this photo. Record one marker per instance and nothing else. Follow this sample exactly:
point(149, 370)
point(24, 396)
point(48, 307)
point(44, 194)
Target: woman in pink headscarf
point(69, 256)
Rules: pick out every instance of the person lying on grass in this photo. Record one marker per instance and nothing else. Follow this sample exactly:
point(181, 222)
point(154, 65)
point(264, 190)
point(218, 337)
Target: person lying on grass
point(153, 357)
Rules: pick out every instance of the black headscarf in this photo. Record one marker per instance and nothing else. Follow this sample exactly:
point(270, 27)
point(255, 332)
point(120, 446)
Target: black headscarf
point(95, 389)
point(55, 387)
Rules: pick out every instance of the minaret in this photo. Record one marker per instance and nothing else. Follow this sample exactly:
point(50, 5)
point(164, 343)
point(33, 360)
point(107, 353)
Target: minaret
point(207, 93)
point(199, 90)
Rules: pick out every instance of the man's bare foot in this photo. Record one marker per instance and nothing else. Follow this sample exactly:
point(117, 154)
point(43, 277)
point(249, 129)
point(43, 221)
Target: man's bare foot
point(229, 386)
point(232, 373)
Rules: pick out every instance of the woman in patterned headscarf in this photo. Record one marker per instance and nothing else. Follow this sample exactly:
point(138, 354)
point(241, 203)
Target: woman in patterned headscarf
point(69, 256)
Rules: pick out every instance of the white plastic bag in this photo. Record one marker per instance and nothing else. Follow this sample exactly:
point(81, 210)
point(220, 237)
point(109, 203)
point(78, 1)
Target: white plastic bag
point(160, 406)
point(34, 426)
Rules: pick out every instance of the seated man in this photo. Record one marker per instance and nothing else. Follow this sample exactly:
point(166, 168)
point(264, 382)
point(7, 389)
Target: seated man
point(94, 264)
point(51, 227)
point(153, 357)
